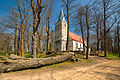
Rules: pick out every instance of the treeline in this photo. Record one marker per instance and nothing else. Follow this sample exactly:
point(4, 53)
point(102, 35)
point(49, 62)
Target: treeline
point(98, 21)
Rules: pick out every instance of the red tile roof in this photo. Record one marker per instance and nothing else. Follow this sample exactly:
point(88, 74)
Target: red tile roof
point(76, 37)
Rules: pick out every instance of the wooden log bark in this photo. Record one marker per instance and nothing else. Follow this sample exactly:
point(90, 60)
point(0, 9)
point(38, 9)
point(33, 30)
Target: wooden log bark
point(15, 57)
point(33, 63)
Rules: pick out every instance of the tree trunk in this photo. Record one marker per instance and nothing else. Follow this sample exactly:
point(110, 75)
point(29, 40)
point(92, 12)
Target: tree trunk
point(87, 33)
point(52, 40)
point(67, 44)
point(82, 34)
point(16, 40)
point(22, 42)
point(34, 43)
point(40, 40)
point(36, 10)
point(28, 40)
point(21, 63)
point(97, 38)
point(118, 50)
point(101, 40)
point(105, 54)
point(24, 45)
point(48, 34)
point(40, 43)
point(19, 44)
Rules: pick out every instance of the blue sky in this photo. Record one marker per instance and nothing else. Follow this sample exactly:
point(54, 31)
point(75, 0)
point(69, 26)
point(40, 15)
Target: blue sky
point(5, 5)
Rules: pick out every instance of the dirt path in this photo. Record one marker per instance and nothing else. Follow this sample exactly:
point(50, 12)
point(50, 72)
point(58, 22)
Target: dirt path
point(104, 70)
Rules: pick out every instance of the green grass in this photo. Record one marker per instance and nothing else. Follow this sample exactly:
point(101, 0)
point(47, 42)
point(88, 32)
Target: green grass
point(5, 55)
point(113, 56)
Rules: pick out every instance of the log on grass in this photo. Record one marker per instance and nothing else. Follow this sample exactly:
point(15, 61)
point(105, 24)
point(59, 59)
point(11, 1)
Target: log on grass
point(15, 57)
point(33, 63)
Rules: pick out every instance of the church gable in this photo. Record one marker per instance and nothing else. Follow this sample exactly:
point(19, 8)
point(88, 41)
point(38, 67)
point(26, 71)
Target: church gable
point(76, 37)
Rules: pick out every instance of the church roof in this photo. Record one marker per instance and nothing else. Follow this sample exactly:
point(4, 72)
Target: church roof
point(76, 37)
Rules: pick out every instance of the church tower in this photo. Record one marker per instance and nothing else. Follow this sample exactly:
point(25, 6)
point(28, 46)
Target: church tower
point(60, 34)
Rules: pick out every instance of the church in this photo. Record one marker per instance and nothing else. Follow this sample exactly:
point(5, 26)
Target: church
point(75, 41)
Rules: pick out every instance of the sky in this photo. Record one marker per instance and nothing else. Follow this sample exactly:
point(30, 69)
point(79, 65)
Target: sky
point(5, 5)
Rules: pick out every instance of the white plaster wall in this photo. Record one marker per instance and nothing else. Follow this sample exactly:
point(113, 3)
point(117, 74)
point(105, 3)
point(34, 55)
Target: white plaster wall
point(60, 36)
point(79, 47)
point(71, 45)
point(64, 31)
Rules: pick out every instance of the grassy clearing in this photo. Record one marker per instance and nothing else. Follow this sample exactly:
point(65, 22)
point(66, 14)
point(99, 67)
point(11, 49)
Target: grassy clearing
point(113, 56)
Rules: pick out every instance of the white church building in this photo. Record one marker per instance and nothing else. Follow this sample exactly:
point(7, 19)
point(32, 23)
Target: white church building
point(75, 41)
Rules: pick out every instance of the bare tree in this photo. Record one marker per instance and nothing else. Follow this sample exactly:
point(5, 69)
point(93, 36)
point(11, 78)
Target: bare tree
point(109, 9)
point(79, 19)
point(118, 39)
point(23, 13)
point(49, 7)
point(88, 27)
point(36, 11)
point(68, 6)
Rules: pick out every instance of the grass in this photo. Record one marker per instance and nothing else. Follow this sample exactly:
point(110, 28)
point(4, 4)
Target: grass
point(113, 56)
point(3, 56)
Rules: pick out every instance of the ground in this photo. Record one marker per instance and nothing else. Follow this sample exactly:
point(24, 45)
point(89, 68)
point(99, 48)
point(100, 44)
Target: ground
point(94, 69)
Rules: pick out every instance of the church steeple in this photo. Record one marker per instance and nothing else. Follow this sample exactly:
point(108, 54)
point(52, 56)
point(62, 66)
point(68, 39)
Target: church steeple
point(61, 16)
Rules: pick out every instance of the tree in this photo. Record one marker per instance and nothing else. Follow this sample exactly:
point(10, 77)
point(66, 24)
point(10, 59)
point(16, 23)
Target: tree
point(49, 7)
point(88, 28)
point(23, 13)
point(36, 11)
point(118, 39)
point(68, 6)
point(109, 9)
point(97, 22)
point(79, 20)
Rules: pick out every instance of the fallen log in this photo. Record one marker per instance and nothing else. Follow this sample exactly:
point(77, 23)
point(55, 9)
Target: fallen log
point(33, 63)
point(15, 57)
point(3, 57)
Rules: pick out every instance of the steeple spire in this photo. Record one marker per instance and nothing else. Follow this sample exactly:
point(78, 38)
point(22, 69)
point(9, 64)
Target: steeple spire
point(61, 16)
